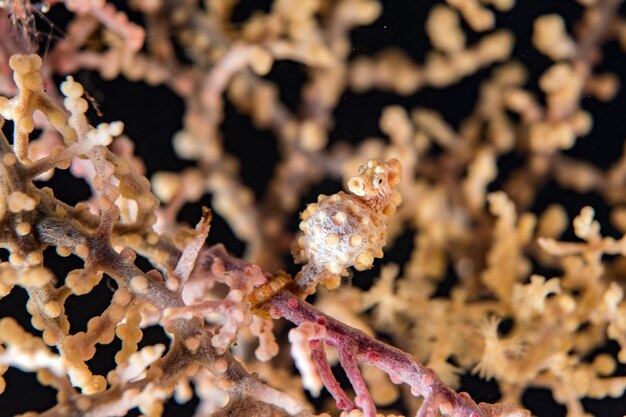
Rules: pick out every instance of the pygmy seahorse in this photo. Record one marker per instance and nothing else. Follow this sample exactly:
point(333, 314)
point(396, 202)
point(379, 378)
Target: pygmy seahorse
point(344, 230)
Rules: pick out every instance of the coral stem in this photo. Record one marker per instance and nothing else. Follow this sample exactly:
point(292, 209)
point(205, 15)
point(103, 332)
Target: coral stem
point(330, 382)
point(399, 365)
point(363, 397)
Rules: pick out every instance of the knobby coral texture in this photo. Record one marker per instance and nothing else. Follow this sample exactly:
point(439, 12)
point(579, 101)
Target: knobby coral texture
point(312, 208)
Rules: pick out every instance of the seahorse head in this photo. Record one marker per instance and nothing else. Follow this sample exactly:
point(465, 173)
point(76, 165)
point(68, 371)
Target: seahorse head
point(377, 182)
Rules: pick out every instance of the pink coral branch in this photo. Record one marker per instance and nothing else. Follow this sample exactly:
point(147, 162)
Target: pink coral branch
point(363, 397)
point(399, 365)
point(190, 254)
point(330, 382)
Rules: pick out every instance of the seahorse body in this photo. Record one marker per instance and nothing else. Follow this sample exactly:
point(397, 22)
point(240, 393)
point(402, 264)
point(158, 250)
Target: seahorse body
point(344, 230)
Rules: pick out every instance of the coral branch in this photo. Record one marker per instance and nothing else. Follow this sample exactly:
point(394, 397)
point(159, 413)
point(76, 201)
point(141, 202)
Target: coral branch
point(354, 345)
point(330, 382)
point(470, 297)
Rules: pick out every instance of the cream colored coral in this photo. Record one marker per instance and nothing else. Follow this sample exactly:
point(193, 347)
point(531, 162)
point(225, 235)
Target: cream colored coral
point(454, 235)
point(477, 16)
point(19, 201)
point(550, 37)
point(137, 363)
point(444, 30)
point(31, 97)
point(25, 350)
point(81, 281)
point(130, 333)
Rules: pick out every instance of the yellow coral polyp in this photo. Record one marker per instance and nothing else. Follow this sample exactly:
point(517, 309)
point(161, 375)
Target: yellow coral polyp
point(23, 64)
point(19, 201)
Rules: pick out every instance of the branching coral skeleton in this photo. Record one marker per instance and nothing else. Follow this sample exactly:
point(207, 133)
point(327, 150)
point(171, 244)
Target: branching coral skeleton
point(353, 345)
point(194, 345)
point(225, 315)
point(90, 238)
